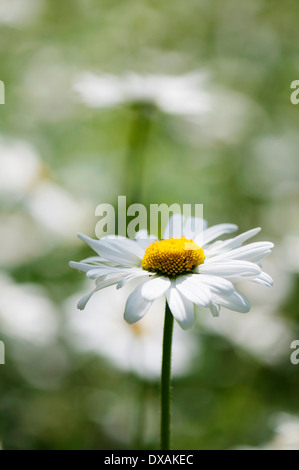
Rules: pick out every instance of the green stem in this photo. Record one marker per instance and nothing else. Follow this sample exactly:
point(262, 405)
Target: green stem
point(140, 414)
point(139, 132)
point(165, 379)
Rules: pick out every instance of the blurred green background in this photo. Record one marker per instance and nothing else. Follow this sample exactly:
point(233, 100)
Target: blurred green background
point(193, 106)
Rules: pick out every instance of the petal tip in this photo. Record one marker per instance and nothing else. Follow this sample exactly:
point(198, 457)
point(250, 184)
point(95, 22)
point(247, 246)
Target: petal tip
point(81, 305)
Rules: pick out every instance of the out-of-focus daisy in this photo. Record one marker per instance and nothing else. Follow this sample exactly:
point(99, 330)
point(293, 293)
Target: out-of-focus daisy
point(135, 348)
point(291, 255)
point(56, 210)
point(264, 334)
point(19, 12)
point(181, 94)
point(20, 168)
point(26, 313)
point(210, 112)
point(189, 275)
point(20, 238)
point(286, 434)
point(47, 208)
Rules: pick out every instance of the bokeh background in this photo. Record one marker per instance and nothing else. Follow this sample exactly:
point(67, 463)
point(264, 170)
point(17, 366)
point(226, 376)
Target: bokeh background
point(172, 101)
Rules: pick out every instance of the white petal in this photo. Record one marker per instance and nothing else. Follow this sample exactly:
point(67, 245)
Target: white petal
point(142, 234)
point(82, 302)
point(189, 227)
point(137, 273)
point(144, 239)
point(174, 227)
point(100, 285)
point(216, 231)
point(136, 306)
point(154, 288)
point(217, 284)
point(192, 288)
point(126, 247)
point(108, 282)
point(93, 260)
point(236, 242)
point(236, 301)
point(194, 228)
point(253, 252)
point(264, 279)
point(120, 242)
point(89, 241)
point(106, 271)
point(232, 269)
point(181, 308)
point(239, 239)
point(122, 251)
point(215, 309)
point(81, 266)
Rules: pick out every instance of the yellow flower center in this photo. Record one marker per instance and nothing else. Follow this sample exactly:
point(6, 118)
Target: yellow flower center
point(172, 257)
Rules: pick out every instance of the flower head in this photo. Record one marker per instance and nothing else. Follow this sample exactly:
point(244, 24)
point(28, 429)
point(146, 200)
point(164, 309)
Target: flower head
point(172, 257)
point(183, 95)
point(191, 271)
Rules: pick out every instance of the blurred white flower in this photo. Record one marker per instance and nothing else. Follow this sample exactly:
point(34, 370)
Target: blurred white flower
point(51, 103)
point(210, 112)
point(20, 238)
point(52, 209)
point(263, 333)
point(57, 210)
point(18, 12)
point(283, 281)
point(20, 168)
point(272, 169)
point(286, 433)
point(136, 348)
point(26, 313)
point(290, 248)
point(228, 118)
point(179, 95)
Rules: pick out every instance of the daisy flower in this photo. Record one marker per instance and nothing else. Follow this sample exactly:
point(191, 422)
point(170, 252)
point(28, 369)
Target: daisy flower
point(191, 268)
point(183, 95)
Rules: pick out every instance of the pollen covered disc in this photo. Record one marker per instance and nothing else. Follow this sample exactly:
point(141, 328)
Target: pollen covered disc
point(172, 257)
